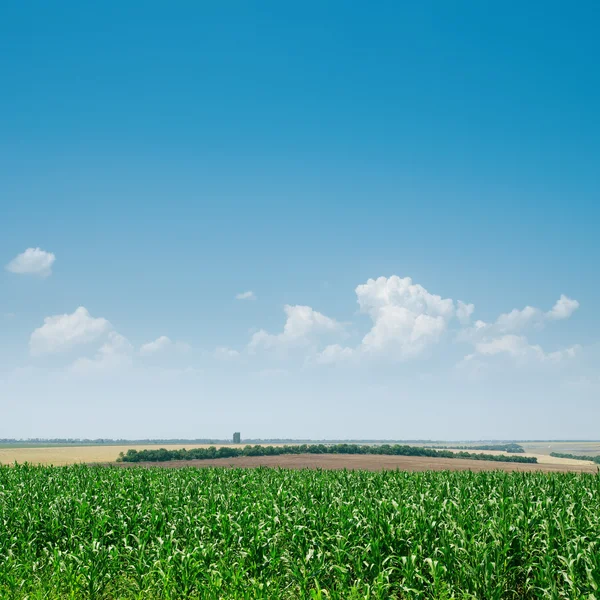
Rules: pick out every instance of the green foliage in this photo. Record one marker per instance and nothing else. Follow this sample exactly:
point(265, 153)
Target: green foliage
point(162, 455)
point(510, 447)
point(99, 533)
point(595, 459)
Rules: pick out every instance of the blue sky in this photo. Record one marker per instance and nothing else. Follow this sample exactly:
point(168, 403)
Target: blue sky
point(166, 158)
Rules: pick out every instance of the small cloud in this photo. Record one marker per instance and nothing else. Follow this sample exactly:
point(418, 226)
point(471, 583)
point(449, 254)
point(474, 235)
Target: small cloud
point(224, 353)
point(9, 315)
point(62, 332)
point(519, 348)
point(517, 320)
point(162, 344)
point(302, 324)
point(464, 312)
point(113, 355)
point(34, 261)
point(472, 367)
point(563, 308)
point(249, 295)
point(157, 345)
point(334, 353)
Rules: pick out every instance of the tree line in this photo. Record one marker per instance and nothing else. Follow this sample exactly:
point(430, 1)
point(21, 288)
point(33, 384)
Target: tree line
point(511, 448)
point(163, 455)
point(595, 459)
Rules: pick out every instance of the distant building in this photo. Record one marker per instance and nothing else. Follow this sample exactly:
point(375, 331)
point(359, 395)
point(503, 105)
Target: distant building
point(237, 439)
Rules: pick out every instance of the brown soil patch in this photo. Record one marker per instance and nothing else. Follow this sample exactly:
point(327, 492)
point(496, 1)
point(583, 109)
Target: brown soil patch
point(366, 462)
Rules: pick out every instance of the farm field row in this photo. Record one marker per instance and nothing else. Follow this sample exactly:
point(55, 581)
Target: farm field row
point(158, 533)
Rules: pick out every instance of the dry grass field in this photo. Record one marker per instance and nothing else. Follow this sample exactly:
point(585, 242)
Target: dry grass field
point(68, 455)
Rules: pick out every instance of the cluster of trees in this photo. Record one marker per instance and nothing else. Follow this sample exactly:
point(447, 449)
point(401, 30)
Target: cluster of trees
point(162, 454)
point(595, 459)
point(511, 447)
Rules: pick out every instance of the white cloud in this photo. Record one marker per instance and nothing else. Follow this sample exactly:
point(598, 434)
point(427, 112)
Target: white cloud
point(249, 295)
point(563, 308)
point(114, 354)
point(464, 312)
point(472, 367)
point(514, 345)
point(504, 336)
point(34, 261)
point(517, 320)
point(407, 319)
point(334, 353)
point(162, 344)
point(302, 325)
point(224, 353)
point(519, 348)
point(62, 332)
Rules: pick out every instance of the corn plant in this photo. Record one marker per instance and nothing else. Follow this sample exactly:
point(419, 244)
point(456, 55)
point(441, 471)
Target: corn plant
point(83, 532)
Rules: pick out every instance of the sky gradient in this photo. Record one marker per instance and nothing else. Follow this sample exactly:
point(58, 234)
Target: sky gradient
point(311, 221)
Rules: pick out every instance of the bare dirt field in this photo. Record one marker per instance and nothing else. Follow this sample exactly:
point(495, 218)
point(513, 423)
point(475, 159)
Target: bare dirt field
point(367, 462)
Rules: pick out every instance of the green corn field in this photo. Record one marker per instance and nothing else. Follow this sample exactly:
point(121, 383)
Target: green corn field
point(84, 532)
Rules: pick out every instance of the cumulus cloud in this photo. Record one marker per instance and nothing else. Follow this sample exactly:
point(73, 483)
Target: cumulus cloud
point(249, 295)
point(517, 320)
point(34, 261)
point(464, 312)
point(62, 332)
point(504, 336)
point(162, 344)
point(518, 347)
point(407, 319)
point(115, 353)
point(334, 353)
point(563, 308)
point(302, 326)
